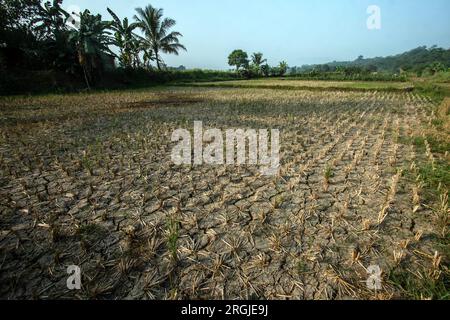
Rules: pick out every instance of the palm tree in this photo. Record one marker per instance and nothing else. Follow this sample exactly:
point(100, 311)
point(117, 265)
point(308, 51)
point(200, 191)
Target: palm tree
point(91, 40)
point(257, 59)
point(124, 38)
point(283, 66)
point(157, 37)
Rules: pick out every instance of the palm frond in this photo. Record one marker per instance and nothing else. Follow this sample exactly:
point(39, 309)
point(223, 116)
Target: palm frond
point(115, 17)
point(157, 36)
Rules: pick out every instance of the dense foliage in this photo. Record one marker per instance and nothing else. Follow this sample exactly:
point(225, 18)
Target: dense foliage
point(420, 60)
point(256, 67)
point(44, 46)
point(38, 38)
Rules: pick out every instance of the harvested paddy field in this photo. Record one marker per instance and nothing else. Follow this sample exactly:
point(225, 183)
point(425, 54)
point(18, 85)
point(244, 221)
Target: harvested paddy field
point(296, 84)
point(88, 180)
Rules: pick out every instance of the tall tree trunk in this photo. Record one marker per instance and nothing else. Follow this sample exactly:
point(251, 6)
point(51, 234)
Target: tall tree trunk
point(157, 60)
point(86, 78)
point(83, 62)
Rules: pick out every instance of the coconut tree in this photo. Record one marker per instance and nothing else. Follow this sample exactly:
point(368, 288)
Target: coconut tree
point(124, 39)
point(283, 67)
point(91, 40)
point(157, 35)
point(257, 59)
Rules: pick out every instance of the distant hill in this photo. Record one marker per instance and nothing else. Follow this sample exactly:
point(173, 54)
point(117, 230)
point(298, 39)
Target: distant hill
point(415, 60)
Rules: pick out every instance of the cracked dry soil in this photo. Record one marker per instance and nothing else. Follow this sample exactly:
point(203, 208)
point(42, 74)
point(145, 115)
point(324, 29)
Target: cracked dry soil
point(88, 180)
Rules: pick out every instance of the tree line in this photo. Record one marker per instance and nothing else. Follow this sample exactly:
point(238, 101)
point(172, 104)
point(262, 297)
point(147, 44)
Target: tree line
point(36, 36)
point(256, 66)
point(421, 60)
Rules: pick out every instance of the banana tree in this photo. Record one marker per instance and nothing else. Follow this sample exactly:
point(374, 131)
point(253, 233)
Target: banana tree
point(148, 56)
point(124, 39)
point(92, 40)
point(51, 20)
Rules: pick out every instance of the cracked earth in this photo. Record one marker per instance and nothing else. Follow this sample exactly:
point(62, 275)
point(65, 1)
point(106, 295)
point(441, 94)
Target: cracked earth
point(88, 180)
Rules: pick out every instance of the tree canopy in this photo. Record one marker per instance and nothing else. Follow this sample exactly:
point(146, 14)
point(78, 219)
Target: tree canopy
point(416, 60)
point(36, 35)
point(239, 59)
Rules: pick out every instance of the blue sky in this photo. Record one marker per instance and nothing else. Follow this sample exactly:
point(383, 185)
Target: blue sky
point(297, 31)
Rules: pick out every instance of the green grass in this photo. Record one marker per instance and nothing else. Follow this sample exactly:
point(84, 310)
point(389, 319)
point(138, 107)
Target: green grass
point(302, 267)
point(173, 234)
point(172, 237)
point(440, 77)
point(328, 173)
point(424, 288)
point(434, 178)
point(440, 174)
point(435, 181)
point(442, 244)
point(436, 87)
point(436, 145)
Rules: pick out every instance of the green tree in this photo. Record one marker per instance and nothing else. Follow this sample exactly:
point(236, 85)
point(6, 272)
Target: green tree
point(92, 40)
point(257, 61)
point(124, 39)
point(18, 42)
point(371, 68)
point(239, 59)
point(18, 14)
point(436, 67)
point(148, 56)
point(51, 19)
point(275, 71)
point(283, 67)
point(265, 69)
point(157, 38)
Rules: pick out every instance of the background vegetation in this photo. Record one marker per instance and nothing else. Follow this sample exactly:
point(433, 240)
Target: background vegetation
point(43, 48)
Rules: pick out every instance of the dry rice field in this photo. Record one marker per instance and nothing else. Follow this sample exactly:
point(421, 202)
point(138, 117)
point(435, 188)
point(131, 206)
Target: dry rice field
point(296, 84)
point(88, 180)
